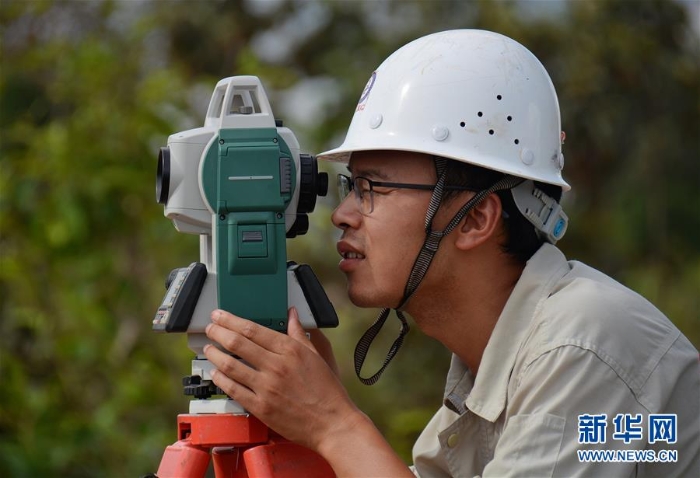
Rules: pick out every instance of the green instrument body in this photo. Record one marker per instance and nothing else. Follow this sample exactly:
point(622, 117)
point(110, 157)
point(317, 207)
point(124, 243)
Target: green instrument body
point(248, 178)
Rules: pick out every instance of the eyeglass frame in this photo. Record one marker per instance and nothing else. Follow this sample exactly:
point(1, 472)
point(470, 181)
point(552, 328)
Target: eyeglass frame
point(346, 183)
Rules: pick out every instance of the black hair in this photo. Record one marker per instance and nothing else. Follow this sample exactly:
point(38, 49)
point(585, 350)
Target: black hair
point(521, 239)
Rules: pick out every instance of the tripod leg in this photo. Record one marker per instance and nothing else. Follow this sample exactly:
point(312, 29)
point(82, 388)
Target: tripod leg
point(283, 459)
point(182, 459)
point(228, 463)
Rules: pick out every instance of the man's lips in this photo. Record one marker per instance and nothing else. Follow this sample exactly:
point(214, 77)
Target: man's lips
point(347, 251)
point(351, 256)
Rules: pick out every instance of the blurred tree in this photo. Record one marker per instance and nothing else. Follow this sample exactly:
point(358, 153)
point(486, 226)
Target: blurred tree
point(83, 248)
point(89, 90)
point(632, 108)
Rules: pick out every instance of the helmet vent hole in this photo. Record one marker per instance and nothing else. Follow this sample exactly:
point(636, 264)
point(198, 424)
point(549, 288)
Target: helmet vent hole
point(510, 118)
point(499, 97)
point(462, 124)
point(480, 114)
point(491, 132)
point(517, 141)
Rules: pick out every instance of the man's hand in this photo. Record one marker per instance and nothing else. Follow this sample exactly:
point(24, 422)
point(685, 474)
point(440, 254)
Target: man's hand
point(284, 381)
point(281, 379)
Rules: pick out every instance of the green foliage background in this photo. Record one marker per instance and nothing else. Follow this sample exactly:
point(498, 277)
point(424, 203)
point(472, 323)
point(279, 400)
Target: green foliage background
point(90, 89)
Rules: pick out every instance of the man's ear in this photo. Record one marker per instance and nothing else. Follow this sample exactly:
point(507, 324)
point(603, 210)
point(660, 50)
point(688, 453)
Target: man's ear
point(480, 224)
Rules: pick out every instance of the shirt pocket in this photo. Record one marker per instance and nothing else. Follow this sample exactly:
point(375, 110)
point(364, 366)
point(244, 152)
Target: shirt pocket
point(529, 446)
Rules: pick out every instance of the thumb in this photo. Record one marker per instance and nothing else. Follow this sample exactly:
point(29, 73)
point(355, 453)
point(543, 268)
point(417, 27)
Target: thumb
point(294, 328)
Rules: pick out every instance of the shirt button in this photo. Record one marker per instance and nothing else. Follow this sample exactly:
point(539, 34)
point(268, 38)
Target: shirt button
point(452, 440)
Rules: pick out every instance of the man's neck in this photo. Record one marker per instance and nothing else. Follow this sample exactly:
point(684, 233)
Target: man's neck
point(463, 315)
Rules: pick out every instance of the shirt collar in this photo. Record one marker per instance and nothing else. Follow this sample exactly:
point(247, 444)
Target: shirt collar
point(459, 383)
point(486, 395)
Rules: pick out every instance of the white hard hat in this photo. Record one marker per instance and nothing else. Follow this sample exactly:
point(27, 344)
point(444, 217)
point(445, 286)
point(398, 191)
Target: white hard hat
point(469, 95)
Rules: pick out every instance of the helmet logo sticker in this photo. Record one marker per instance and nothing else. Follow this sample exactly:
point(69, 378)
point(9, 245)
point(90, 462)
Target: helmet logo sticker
point(366, 92)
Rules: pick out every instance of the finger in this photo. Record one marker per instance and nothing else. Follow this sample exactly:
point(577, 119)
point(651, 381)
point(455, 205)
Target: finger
point(229, 366)
point(256, 333)
point(296, 331)
point(235, 390)
point(237, 344)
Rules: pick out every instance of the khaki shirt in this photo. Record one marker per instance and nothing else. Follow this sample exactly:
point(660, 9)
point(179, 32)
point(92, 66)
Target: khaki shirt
point(570, 344)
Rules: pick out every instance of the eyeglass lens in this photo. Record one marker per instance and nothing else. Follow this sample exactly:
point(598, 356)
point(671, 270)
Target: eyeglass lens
point(362, 189)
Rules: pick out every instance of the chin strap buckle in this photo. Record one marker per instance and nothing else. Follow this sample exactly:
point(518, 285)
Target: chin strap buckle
point(542, 211)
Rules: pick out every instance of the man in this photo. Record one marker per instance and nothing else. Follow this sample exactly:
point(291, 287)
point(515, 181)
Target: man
point(451, 215)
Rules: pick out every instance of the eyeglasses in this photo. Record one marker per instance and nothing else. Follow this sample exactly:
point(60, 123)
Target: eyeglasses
point(364, 190)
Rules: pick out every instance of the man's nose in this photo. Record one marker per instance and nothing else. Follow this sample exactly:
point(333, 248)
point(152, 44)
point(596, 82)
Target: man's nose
point(347, 214)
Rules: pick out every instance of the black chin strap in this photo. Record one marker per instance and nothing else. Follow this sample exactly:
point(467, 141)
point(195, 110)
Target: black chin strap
point(363, 345)
point(420, 266)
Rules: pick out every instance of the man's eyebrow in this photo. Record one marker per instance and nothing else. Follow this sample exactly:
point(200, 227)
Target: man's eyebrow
point(370, 173)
